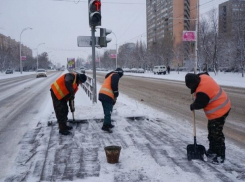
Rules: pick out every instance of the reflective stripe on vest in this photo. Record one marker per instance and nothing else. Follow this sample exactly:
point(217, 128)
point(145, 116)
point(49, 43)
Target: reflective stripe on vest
point(217, 108)
point(217, 96)
point(107, 90)
point(60, 89)
point(106, 87)
point(219, 103)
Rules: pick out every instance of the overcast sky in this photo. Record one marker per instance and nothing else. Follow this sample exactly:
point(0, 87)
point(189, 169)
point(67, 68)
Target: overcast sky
point(57, 23)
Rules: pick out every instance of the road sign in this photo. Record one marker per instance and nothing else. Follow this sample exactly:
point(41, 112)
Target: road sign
point(189, 35)
point(86, 41)
point(23, 58)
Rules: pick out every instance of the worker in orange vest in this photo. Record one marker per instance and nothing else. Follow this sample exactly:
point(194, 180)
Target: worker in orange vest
point(210, 97)
point(62, 91)
point(108, 95)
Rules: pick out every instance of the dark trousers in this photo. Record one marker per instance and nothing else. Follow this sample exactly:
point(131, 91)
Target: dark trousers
point(107, 107)
point(215, 135)
point(60, 108)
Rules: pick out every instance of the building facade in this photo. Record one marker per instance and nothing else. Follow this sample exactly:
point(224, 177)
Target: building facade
point(231, 14)
point(170, 18)
point(8, 43)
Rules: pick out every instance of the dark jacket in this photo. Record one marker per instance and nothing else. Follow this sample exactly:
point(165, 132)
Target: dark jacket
point(114, 85)
point(192, 81)
point(69, 79)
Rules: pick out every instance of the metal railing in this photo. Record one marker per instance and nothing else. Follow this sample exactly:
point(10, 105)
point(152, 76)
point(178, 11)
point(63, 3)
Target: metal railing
point(88, 87)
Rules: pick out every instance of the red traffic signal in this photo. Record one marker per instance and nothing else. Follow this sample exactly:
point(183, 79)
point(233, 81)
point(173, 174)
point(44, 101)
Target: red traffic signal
point(95, 6)
point(94, 13)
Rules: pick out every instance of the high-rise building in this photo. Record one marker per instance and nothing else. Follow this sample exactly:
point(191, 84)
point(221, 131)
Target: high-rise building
point(7, 42)
point(170, 17)
point(231, 14)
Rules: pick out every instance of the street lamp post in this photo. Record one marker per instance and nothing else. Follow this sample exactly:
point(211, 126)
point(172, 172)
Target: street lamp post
point(21, 68)
point(116, 47)
point(37, 53)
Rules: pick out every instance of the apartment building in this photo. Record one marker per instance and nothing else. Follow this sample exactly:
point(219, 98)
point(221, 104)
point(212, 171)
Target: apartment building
point(170, 17)
point(231, 14)
point(7, 42)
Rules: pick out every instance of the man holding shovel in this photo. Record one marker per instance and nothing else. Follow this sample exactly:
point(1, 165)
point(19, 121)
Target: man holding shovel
point(108, 95)
point(62, 91)
point(210, 97)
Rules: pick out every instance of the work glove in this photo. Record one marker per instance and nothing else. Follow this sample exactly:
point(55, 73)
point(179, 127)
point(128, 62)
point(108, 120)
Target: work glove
point(191, 107)
point(72, 97)
point(116, 94)
point(115, 100)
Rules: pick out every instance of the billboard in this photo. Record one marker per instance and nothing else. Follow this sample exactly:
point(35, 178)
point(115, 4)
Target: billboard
point(71, 63)
point(113, 56)
point(23, 58)
point(189, 36)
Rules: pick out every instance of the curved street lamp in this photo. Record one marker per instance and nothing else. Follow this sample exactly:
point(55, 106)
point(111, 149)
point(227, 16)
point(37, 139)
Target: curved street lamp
point(37, 53)
point(28, 28)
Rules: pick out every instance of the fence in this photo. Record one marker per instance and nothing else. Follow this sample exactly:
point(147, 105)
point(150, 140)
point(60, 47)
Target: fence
point(88, 86)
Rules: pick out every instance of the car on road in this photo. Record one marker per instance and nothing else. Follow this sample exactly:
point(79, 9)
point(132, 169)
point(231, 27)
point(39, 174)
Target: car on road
point(127, 70)
point(134, 70)
point(82, 69)
point(140, 70)
point(41, 73)
point(162, 69)
point(9, 71)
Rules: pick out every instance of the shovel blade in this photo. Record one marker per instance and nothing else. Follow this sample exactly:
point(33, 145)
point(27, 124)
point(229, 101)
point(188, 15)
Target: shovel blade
point(195, 151)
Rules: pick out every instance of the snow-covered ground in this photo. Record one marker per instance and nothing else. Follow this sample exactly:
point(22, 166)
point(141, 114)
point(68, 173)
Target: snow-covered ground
point(136, 162)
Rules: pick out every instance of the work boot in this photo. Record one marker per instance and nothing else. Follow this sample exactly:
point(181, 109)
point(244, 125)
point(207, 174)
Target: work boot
point(211, 154)
point(218, 160)
point(63, 130)
point(111, 126)
point(106, 128)
point(68, 127)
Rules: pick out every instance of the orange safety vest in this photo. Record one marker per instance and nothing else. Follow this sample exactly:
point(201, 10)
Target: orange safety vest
point(106, 87)
point(59, 87)
point(219, 103)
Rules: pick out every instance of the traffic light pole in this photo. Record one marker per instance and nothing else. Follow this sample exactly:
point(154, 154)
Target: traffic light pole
point(196, 43)
point(94, 67)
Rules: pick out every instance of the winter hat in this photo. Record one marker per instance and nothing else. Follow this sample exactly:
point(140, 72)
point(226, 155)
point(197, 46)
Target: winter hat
point(192, 81)
point(119, 71)
point(82, 77)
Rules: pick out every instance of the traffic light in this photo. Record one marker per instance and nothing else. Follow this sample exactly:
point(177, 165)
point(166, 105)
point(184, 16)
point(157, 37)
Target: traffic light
point(103, 40)
point(94, 9)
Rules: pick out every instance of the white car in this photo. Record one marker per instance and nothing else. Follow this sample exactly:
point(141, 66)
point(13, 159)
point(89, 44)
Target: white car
point(140, 70)
point(126, 69)
point(134, 70)
point(162, 69)
point(41, 73)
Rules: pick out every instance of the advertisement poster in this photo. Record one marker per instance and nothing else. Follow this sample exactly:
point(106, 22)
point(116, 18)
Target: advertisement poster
point(71, 63)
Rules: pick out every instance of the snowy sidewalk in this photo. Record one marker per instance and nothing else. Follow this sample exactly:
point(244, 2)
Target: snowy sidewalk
point(153, 149)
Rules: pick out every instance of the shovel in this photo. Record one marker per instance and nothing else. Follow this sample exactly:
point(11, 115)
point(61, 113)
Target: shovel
point(195, 151)
point(71, 103)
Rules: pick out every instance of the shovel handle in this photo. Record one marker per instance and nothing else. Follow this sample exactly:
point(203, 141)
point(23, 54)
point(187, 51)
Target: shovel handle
point(194, 118)
point(73, 116)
